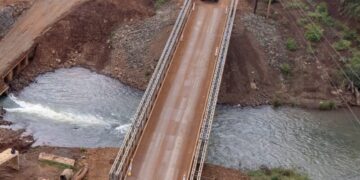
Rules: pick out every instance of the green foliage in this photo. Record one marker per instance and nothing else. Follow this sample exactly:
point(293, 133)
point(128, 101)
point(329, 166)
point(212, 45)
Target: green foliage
point(351, 8)
point(291, 44)
point(313, 32)
point(342, 45)
point(303, 21)
point(276, 174)
point(322, 8)
point(321, 14)
point(297, 4)
point(350, 34)
point(327, 105)
point(285, 69)
point(276, 102)
point(352, 68)
point(159, 3)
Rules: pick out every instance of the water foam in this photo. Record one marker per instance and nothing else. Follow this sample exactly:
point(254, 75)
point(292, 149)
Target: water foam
point(48, 113)
point(123, 128)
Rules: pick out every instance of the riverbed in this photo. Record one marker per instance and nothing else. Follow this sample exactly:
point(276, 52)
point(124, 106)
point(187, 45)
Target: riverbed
point(79, 108)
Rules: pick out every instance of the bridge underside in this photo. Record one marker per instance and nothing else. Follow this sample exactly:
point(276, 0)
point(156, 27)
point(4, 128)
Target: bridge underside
point(171, 125)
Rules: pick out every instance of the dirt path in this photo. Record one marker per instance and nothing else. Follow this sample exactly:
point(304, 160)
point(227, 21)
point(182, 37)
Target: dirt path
point(21, 37)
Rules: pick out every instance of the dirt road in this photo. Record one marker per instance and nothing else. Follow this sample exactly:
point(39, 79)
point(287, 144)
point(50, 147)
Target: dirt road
point(169, 139)
point(21, 37)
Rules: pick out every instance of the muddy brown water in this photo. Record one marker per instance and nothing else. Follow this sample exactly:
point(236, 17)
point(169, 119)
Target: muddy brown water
point(76, 107)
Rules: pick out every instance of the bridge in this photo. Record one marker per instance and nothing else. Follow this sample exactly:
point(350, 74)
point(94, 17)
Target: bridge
point(18, 46)
point(171, 127)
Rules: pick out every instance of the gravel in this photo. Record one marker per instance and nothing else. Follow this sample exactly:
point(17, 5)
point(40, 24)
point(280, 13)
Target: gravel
point(136, 38)
point(9, 14)
point(265, 31)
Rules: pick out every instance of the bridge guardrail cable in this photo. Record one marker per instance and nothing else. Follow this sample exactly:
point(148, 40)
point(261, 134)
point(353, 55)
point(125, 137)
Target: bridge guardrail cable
point(122, 160)
point(201, 148)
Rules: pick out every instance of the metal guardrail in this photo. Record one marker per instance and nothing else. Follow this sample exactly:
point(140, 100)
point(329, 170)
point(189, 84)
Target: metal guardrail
point(201, 148)
point(130, 142)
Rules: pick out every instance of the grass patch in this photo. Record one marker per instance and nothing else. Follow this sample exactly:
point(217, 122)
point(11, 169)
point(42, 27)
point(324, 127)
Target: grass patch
point(297, 5)
point(327, 105)
point(285, 69)
point(159, 3)
point(291, 44)
point(55, 164)
point(276, 174)
point(342, 45)
point(314, 32)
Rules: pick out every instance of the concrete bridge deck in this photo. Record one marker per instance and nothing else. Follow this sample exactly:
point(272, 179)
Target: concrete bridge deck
point(18, 43)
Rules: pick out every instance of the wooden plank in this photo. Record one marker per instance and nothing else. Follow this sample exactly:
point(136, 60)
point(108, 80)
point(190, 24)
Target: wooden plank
point(6, 156)
point(56, 159)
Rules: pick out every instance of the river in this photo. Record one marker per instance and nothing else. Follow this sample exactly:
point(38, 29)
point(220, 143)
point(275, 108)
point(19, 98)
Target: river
point(76, 107)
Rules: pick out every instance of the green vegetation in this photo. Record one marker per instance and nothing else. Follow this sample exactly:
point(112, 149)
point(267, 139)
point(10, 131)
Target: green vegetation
point(297, 5)
point(285, 69)
point(303, 21)
point(351, 8)
point(327, 105)
point(291, 44)
point(321, 14)
point(349, 34)
point(55, 164)
point(276, 102)
point(313, 32)
point(352, 68)
point(276, 174)
point(342, 45)
point(159, 3)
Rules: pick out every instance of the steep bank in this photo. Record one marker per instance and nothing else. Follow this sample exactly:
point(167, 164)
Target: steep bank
point(125, 40)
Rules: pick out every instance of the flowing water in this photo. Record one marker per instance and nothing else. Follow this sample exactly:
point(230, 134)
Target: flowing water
point(325, 145)
point(76, 107)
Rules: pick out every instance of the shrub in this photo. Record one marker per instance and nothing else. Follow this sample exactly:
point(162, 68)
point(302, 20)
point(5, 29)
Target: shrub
point(276, 102)
point(303, 21)
point(327, 105)
point(297, 5)
point(321, 14)
point(352, 68)
point(291, 44)
point(351, 8)
point(342, 45)
point(276, 173)
point(159, 3)
point(349, 34)
point(285, 69)
point(322, 8)
point(313, 32)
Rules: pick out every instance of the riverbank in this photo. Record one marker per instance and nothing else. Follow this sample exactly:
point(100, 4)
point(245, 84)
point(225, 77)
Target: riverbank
point(128, 45)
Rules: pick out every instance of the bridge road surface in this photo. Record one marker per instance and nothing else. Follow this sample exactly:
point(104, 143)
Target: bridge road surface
point(167, 146)
point(29, 26)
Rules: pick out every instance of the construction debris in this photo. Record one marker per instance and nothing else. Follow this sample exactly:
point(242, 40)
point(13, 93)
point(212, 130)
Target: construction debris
point(57, 159)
